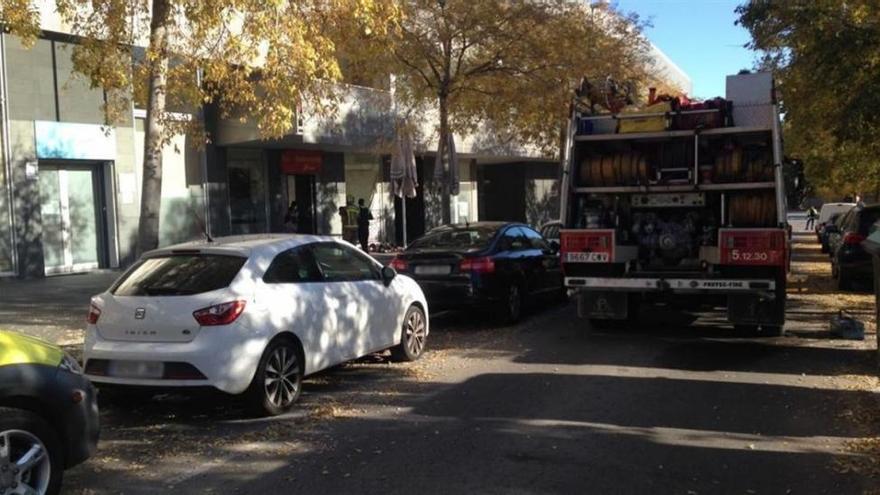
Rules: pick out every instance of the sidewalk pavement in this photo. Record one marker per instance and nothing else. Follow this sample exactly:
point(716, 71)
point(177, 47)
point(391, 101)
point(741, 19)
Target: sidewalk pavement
point(52, 308)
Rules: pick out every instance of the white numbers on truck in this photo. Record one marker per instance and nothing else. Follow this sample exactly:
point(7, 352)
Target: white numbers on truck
point(737, 255)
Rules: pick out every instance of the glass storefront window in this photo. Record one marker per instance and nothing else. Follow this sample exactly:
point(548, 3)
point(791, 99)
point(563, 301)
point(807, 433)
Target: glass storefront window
point(248, 191)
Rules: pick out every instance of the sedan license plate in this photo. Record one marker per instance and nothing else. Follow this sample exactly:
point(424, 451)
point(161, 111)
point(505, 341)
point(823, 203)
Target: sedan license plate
point(433, 270)
point(135, 369)
point(586, 257)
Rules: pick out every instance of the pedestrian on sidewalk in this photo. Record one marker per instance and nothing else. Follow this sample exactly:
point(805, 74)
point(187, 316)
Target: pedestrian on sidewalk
point(291, 218)
point(363, 225)
point(812, 215)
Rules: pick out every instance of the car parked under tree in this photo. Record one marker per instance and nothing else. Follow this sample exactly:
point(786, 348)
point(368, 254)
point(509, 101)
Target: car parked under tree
point(250, 315)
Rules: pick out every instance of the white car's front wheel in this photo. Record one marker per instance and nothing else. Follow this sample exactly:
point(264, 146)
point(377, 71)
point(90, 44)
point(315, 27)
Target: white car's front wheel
point(278, 381)
point(414, 336)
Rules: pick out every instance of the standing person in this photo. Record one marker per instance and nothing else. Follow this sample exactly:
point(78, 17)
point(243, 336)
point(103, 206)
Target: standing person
point(349, 215)
point(363, 224)
point(291, 219)
point(812, 214)
point(343, 215)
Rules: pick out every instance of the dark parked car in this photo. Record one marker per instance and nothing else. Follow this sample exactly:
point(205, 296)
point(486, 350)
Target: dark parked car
point(490, 265)
point(48, 415)
point(849, 261)
point(827, 228)
point(829, 209)
point(550, 231)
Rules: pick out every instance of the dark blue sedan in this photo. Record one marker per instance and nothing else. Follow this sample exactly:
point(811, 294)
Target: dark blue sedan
point(485, 265)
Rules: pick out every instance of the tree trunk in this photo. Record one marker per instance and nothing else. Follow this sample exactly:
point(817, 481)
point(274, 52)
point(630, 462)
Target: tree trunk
point(442, 152)
point(151, 193)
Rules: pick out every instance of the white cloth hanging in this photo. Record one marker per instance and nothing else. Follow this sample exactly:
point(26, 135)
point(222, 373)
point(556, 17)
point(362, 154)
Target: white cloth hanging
point(404, 177)
point(446, 171)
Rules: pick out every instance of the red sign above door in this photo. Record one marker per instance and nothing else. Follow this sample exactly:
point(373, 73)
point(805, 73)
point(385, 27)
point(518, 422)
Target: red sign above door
point(301, 162)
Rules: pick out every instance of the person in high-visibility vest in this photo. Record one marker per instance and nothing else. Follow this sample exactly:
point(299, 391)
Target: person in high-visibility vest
point(349, 223)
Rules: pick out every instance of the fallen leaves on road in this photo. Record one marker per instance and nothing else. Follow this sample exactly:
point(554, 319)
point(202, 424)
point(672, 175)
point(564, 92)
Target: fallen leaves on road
point(863, 457)
point(866, 383)
point(812, 287)
point(812, 291)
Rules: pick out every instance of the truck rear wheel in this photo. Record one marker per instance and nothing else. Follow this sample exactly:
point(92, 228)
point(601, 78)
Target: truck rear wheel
point(844, 279)
point(771, 330)
point(746, 330)
point(758, 330)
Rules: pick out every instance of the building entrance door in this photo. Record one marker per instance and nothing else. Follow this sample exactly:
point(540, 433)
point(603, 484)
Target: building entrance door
point(502, 193)
point(71, 205)
point(301, 189)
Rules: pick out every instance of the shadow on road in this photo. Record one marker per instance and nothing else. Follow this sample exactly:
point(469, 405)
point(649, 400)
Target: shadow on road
point(750, 408)
point(704, 345)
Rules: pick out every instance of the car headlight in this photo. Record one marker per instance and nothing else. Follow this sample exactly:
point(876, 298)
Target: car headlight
point(68, 363)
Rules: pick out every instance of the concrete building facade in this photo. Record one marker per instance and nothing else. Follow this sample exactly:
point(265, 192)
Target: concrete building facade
point(70, 187)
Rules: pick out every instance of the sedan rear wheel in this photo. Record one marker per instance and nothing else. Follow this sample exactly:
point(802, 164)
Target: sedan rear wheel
point(844, 279)
point(414, 336)
point(513, 304)
point(278, 381)
point(30, 454)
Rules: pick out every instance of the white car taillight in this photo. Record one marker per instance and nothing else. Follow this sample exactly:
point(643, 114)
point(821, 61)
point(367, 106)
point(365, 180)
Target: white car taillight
point(94, 314)
point(219, 314)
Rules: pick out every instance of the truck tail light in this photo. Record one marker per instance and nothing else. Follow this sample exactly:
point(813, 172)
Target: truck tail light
point(94, 314)
point(399, 264)
point(477, 265)
point(219, 314)
point(853, 238)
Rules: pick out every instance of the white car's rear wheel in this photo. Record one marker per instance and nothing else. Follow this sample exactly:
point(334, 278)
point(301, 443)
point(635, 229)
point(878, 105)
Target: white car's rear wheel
point(277, 383)
point(414, 336)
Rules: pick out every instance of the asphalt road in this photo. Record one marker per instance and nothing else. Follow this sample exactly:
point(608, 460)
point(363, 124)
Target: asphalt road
point(677, 404)
point(671, 406)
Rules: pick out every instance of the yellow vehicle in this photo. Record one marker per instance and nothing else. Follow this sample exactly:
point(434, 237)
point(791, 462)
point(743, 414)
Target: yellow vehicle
point(48, 415)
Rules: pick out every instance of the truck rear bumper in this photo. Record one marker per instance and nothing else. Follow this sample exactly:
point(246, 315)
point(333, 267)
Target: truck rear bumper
point(678, 285)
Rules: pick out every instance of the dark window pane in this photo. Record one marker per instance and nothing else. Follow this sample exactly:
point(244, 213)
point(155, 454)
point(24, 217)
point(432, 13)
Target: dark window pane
point(295, 265)
point(179, 274)
point(513, 240)
point(457, 238)
point(340, 263)
point(867, 218)
point(534, 239)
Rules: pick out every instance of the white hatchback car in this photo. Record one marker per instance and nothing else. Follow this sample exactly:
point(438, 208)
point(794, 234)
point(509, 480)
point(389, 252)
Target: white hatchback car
point(250, 314)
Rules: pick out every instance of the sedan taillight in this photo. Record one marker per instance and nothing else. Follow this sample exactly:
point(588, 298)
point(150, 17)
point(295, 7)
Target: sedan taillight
point(853, 238)
point(399, 264)
point(477, 265)
point(94, 314)
point(219, 314)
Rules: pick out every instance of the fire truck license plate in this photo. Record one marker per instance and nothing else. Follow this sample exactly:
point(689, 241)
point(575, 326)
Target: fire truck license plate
point(586, 257)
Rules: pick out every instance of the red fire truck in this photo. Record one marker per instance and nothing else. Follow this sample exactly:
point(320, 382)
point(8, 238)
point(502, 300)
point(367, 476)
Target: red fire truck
point(679, 203)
